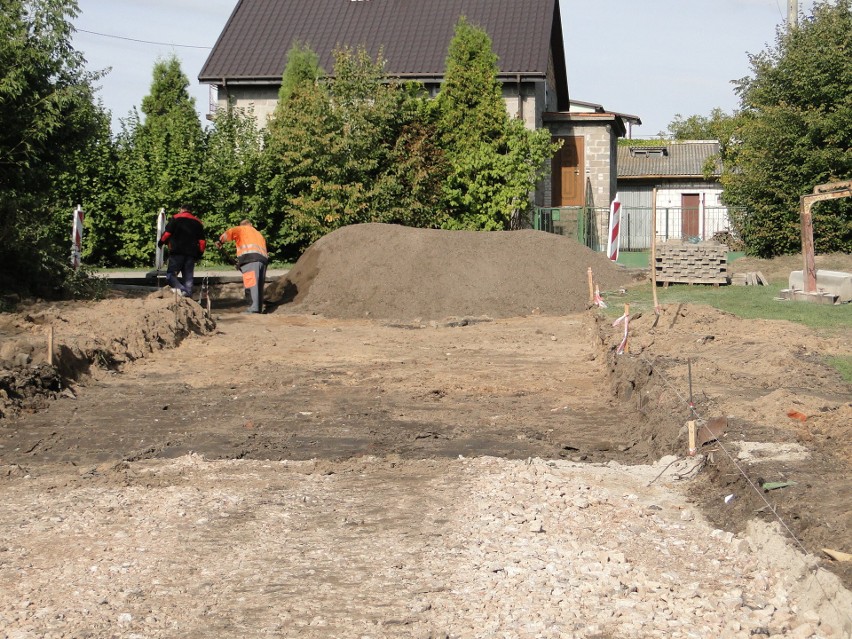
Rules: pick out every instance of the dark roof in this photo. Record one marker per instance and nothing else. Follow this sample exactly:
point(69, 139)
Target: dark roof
point(669, 159)
point(414, 36)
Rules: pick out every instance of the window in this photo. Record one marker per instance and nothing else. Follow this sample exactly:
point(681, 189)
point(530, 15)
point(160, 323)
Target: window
point(649, 151)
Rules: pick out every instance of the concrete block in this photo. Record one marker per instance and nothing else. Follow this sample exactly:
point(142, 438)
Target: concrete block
point(835, 283)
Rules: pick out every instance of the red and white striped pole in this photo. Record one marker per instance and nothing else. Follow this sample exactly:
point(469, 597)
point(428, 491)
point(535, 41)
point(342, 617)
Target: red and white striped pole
point(614, 225)
point(77, 238)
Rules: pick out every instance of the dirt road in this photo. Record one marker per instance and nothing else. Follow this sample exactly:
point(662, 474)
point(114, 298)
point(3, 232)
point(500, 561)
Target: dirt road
point(303, 387)
point(293, 475)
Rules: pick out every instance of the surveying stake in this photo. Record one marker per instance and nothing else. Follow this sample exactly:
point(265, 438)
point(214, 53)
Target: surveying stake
point(205, 295)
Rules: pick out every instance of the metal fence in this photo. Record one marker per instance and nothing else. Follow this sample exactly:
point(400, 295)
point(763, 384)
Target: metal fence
point(579, 222)
point(590, 225)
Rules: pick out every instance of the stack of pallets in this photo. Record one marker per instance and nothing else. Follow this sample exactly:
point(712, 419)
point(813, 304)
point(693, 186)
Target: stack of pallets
point(692, 263)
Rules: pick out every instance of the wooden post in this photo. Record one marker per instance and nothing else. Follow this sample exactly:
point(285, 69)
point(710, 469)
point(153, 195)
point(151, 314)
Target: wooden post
point(50, 345)
point(591, 286)
point(809, 274)
point(830, 191)
point(654, 249)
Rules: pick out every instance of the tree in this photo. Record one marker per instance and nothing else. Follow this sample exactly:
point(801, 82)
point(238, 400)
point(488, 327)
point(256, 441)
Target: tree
point(716, 126)
point(494, 161)
point(295, 157)
point(160, 159)
point(302, 68)
point(470, 104)
point(47, 115)
point(91, 180)
point(793, 131)
point(230, 169)
point(351, 148)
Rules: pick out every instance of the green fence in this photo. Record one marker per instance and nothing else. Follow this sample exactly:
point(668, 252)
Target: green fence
point(579, 222)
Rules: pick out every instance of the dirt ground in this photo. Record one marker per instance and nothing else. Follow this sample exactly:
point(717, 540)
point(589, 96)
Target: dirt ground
point(154, 442)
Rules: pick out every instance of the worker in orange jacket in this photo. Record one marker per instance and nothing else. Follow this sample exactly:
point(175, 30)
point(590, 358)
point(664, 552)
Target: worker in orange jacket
point(252, 259)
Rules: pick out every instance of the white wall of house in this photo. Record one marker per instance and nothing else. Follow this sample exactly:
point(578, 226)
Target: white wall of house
point(712, 214)
point(529, 105)
point(636, 201)
point(261, 99)
point(711, 195)
point(526, 106)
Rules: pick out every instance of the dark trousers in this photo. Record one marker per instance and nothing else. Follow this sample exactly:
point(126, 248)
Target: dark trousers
point(255, 291)
point(185, 265)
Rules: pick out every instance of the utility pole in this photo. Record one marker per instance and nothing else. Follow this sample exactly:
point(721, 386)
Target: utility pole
point(792, 14)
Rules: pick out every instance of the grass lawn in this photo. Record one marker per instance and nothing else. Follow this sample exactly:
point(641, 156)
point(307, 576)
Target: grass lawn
point(843, 363)
point(748, 302)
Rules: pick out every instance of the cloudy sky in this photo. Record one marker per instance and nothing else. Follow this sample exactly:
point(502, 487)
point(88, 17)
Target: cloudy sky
point(651, 58)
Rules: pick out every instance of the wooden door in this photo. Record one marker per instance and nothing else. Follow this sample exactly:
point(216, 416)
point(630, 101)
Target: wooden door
point(567, 173)
point(689, 206)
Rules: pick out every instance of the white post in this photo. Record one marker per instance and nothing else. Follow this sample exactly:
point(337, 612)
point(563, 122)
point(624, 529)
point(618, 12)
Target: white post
point(161, 228)
point(77, 238)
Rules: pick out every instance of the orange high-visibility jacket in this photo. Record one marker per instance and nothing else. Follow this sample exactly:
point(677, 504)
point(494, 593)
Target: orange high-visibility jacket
point(251, 247)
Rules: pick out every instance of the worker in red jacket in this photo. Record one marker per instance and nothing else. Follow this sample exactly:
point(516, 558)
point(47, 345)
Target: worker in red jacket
point(184, 236)
point(252, 259)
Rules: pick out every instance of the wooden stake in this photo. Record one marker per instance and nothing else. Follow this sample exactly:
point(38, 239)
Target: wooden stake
point(691, 426)
point(654, 249)
point(807, 221)
point(591, 286)
point(50, 345)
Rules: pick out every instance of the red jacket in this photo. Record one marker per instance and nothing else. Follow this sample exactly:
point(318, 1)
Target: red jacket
point(185, 235)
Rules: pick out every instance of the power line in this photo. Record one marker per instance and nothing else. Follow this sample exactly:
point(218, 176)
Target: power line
point(162, 44)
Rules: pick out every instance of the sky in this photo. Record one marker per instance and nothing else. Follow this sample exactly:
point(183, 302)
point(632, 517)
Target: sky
point(649, 58)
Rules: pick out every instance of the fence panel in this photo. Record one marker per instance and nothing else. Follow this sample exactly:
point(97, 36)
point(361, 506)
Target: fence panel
point(590, 225)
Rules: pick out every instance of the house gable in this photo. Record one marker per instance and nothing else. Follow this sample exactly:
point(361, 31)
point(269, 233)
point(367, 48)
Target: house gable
point(413, 37)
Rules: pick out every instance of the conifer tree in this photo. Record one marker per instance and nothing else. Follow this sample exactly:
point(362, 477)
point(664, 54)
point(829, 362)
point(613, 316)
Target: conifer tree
point(495, 162)
point(347, 149)
point(230, 170)
point(160, 159)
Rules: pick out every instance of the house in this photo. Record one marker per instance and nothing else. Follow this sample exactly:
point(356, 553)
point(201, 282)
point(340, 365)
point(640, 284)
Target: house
point(246, 65)
point(579, 106)
point(689, 195)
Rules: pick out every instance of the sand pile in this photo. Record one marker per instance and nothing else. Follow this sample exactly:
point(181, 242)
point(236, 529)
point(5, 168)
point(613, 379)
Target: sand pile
point(392, 272)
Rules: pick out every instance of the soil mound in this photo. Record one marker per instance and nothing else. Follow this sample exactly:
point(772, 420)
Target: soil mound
point(394, 272)
point(88, 336)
